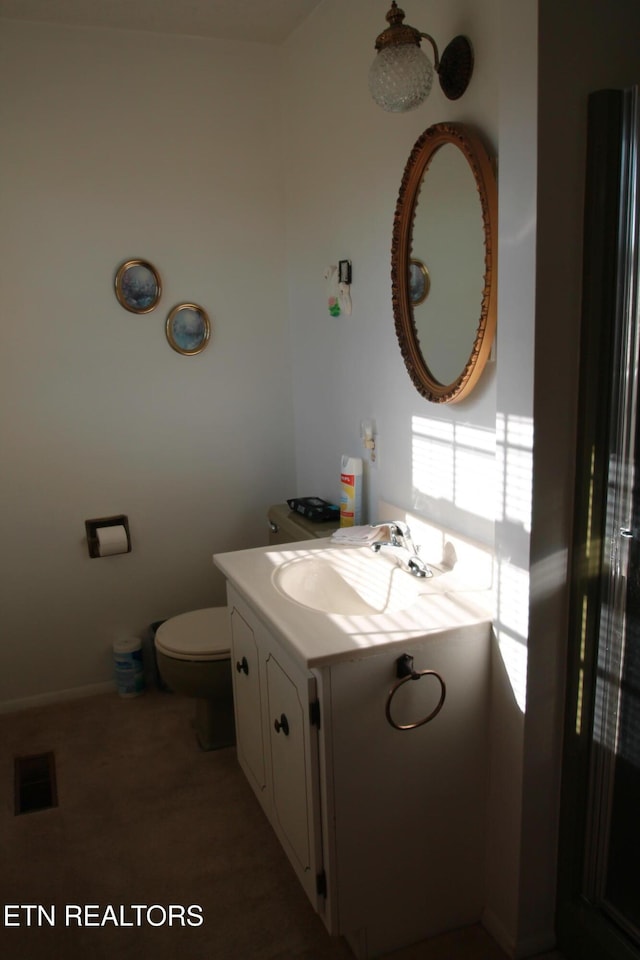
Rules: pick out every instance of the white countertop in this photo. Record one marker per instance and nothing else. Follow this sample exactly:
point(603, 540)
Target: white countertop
point(445, 605)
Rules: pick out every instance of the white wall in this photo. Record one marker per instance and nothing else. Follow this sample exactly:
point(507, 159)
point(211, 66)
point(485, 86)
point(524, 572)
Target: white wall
point(517, 163)
point(118, 145)
point(344, 164)
point(116, 422)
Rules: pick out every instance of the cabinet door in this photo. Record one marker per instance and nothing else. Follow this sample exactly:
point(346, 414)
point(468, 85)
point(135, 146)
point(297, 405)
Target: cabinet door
point(247, 703)
point(294, 765)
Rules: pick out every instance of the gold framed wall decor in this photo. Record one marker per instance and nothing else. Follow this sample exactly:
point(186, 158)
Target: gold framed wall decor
point(138, 287)
point(188, 329)
point(419, 282)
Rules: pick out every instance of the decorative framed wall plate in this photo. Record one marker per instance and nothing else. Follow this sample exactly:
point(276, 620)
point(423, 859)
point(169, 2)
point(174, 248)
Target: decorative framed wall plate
point(419, 282)
point(138, 286)
point(188, 329)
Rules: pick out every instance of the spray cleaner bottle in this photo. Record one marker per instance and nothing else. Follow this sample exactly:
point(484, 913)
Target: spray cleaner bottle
point(350, 491)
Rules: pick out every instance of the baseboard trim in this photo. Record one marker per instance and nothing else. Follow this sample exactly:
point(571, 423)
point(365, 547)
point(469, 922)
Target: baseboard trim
point(514, 948)
point(58, 696)
point(499, 932)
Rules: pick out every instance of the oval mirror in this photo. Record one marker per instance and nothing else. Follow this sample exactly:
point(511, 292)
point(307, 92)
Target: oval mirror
point(443, 262)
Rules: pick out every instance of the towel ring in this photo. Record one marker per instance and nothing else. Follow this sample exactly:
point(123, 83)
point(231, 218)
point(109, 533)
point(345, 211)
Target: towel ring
point(415, 675)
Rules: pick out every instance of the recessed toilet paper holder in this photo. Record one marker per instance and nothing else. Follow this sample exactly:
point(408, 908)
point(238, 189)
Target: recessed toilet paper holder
point(92, 527)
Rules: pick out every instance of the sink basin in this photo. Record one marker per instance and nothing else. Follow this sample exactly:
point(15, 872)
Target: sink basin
point(351, 581)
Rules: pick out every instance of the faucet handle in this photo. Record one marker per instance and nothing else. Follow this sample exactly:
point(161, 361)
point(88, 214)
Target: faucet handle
point(398, 528)
point(395, 527)
point(401, 528)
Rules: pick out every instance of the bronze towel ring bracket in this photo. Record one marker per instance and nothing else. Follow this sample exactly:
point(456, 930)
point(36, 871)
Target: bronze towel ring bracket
point(405, 672)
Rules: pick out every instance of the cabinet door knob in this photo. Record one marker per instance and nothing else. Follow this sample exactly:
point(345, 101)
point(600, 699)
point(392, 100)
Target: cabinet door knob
point(242, 666)
point(282, 724)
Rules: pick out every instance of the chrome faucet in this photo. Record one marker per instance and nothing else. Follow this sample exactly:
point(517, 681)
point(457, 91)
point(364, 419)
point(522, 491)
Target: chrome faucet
point(400, 536)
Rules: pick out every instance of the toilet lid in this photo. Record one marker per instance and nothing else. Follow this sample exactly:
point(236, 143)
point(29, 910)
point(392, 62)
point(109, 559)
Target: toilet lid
point(197, 635)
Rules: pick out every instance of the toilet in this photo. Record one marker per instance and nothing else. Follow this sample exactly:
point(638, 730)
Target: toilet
point(193, 654)
point(285, 526)
point(193, 650)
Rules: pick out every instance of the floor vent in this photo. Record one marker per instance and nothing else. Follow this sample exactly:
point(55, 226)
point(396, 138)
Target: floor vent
point(35, 783)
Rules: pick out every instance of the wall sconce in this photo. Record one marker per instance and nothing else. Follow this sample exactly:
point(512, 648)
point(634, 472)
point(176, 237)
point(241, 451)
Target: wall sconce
point(401, 75)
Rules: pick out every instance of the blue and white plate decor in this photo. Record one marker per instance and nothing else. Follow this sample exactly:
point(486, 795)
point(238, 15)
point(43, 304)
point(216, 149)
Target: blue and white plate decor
point(138, 286)
point(188, 329)
point(419, 282)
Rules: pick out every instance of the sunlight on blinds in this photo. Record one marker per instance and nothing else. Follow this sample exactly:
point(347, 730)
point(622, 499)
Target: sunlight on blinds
point(515, 469)
point(488, 475)
point(455, 462)
point(513, 626)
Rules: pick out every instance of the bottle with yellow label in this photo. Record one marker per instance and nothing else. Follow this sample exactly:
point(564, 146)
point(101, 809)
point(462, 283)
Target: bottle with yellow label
point(350, 491)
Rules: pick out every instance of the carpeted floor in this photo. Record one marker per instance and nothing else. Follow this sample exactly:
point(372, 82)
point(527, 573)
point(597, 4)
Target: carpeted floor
point(146, 818)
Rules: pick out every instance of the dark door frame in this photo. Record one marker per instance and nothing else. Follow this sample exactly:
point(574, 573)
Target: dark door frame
point(584, 932)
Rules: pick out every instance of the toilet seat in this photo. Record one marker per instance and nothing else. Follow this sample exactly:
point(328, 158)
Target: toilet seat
point(197, 635)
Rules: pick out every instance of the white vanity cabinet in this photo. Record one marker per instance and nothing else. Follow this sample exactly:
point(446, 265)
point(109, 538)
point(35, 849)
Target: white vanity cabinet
point(277, 743)
point(406, 808)
point(384, 827)
point(247, 701)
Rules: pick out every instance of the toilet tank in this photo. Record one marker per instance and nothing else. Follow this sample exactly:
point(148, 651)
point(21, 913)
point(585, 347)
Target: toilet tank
point(285, 526)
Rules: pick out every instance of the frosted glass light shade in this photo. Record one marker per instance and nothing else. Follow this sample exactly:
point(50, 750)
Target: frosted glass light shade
point(400, 77)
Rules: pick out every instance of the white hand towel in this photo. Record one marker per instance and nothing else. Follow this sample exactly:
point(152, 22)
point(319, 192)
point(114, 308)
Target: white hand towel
point(363, 534)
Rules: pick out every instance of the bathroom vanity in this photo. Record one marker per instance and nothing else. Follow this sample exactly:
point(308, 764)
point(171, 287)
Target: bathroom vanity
point(383, 826)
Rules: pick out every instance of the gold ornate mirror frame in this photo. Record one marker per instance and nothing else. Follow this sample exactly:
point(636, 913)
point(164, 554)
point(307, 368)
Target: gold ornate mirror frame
point(481, 166)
